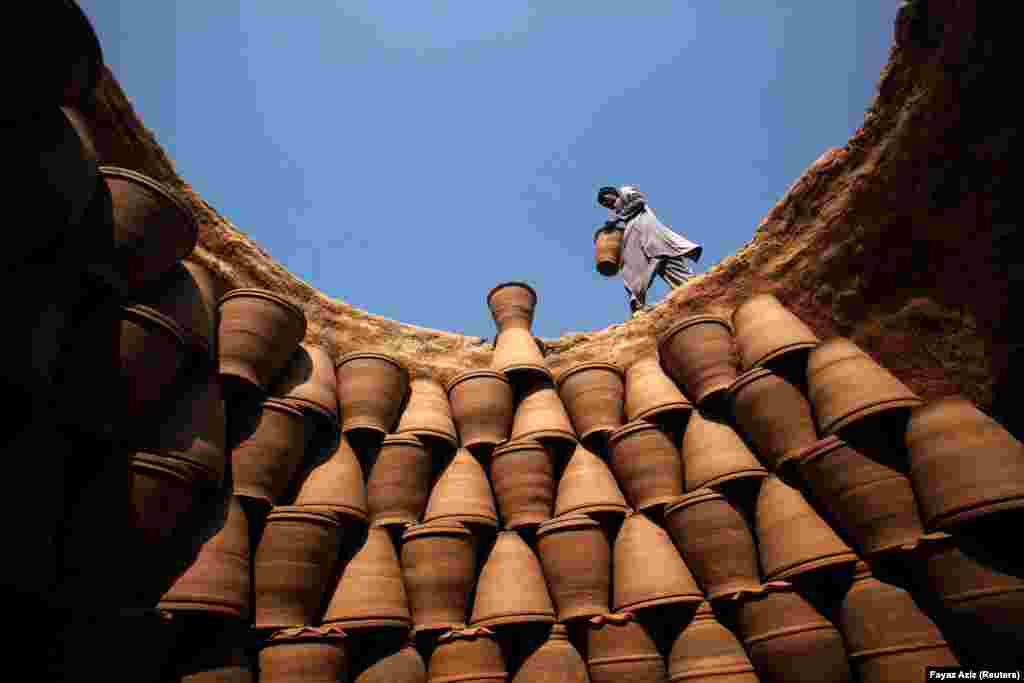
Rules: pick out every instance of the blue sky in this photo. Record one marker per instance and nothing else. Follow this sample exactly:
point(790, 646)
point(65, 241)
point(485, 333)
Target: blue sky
point(407, 157)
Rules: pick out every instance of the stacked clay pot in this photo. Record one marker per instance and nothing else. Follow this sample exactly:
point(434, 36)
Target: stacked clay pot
point(370, 592)
point(312, 654)
point(650, 393)
point(593, 394)
point(308, 382)
point(576, 557)
point(540, 413)
point(399, 481)
point(556, 659)
point(647, 464)
point(516, 353)
point(257, 335)
point(697, 353)
point(267, 461)
point(428, 415)
point(523, 476)
point(467, 655)
point(372, 387)
point(483, 404)
point(704, 649)
point(494, 604)
point(648, 571)
point(766, 332)
point(620, 648)
point(439, 570)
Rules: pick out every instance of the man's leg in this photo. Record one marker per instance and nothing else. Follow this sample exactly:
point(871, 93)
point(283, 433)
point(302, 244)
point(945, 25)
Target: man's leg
point(675, 270)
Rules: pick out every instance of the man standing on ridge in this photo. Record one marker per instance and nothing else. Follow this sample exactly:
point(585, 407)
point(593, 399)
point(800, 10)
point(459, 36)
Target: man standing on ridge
point(649, 247)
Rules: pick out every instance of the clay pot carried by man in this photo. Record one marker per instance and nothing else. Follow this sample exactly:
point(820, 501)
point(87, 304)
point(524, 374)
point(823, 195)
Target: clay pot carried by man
point(608, 250)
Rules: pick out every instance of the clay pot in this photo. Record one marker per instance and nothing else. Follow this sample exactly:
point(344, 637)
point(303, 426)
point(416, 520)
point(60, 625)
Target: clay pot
point(163, 489)
point(587, 486)
point(336, 485)
point(619, 648)
point(439, 569)
point(462, 494)
point(540, 414)
point(706, 650)
point(555, 660)
point(399, 482)
point(211, 289)
point(235, 667)
point(312, 654)
point(789, 640)
point(593, 395)
point(608, 250)
point(576, 558)
point(518, 354)
point(512, 305)
point(371, 390)
point(714, 454)
point(846, 385)
point(872, 503)
point(154, 354)
point(467, 655)
point(308, 382)
point(767, 331)
point(293, 567)
point(428, 414)
point(177, 295)
point(219, 579)
point(265, 462)
point(370, 592)
point(523, 477)
point(153, 227)
point(648, 569)
point(887, 636)
point(650, 393)
point(697, 353)
point(511, 589)
point(646, 464)
point(963, 464)
point(482, 403)
point(257, 334)
point(792, 538)
point(400, 666)
point(715, 542)
point(773, 414)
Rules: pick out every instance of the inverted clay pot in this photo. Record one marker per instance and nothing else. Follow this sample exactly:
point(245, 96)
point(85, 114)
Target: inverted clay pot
point(399, 483)
point(576, 558)
point(650, 393)
point(178, 296)
point(792, 537)
point(541, 414)
point(697, 352)
point(846, 385)
point(511, 588)
point(308, 381)
point(649, 571)
point(715, 454)
point(555, 660)
point(439, 569)
point(963, 464)
point(594, 396)
point(716, 543)
point(211, 288)
point(154, 353)
point(163, 489)
point(587, 486)
point(870, 501)
point(518, 355)
point(767, 331)
point(773, 414)
point(428, 413)
point(293, 566)
point(523, 478)
point(707, 651)
point(370, 592)
point(265, 463)
point(312, 654)
point(619, 648)
point(337, 485)
point(646, 463)
point(257, 334)
point(482, 404)
point(404, 665)
point(608, 250)
point(512, 304)
point(371, 390)
point(471, 654)
point(462, 494)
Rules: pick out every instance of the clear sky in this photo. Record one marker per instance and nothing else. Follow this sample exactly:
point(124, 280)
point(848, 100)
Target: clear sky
point(405, 157)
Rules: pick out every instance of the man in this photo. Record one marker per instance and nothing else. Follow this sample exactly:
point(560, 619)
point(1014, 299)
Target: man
point(649, 248)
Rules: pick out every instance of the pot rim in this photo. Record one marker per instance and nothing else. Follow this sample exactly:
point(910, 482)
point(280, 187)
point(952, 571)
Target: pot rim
point(512, 283)
point(282, 406)
point(356, 624)
point(451, 439)
point(465, 518)
point(666, 407)
point(155, 186)
point(816, 450)
point(402, 439)
point(186, 472)
point(160, 320)
point(375, 355)
point(690, 321)
point(339, 510)
point(266, 294)
point(567, 522)
point(528, 368)
point(302, 513)
point(516, 618)
point(438, 626)
point(589, 365)
point(675, 599)
point(700, 495)
point(844, 421)
point(438, 527)
point(560, 435)
point(607, 228)
point(595, 508)
point(832, 559)
point(476, 373)
point(782, 351)
point(629, 428)
point(749, 472)
point(747, 378)
point(325, 633)
point(521, 444)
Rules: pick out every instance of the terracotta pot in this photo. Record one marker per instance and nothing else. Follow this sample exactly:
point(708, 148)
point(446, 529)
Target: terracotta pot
point(767, 331)
point(715, 542)
point(706, 650)
point(371, 390)
point(308, 381)
point(789, 640)
point(399, 482)
point(648, 569)
point(462, 494)
point(587, 486)
point(773, 414)
point(467, 655)
point(177, 295)
point(540, 414)
point(428, 414)
point(593, 395)
point(234, 668)
point(518, 354)
point(646, 464)
point(153, 227)
point(714, 454)
point(872, 503)
point(697, 352)
point(846, 385)
point(523, 477)
point(293, 567)
point(792, 538)
point(265, 463)
point(525, 599)
point(963, 464)
point(312, 654)
point(257, 334)
point(888, 638)
point(608, 250)
point(219, 579)
point(576, 558)
point(619, 648)
point(154, 354)
point(650, 393)
point(370, 592)
point(337, 485)
point(400, 666)
point(482, 403)
point(512, 305)
point(163, 489)
point(211, 288)
point(439, 569)
point(555, 660)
